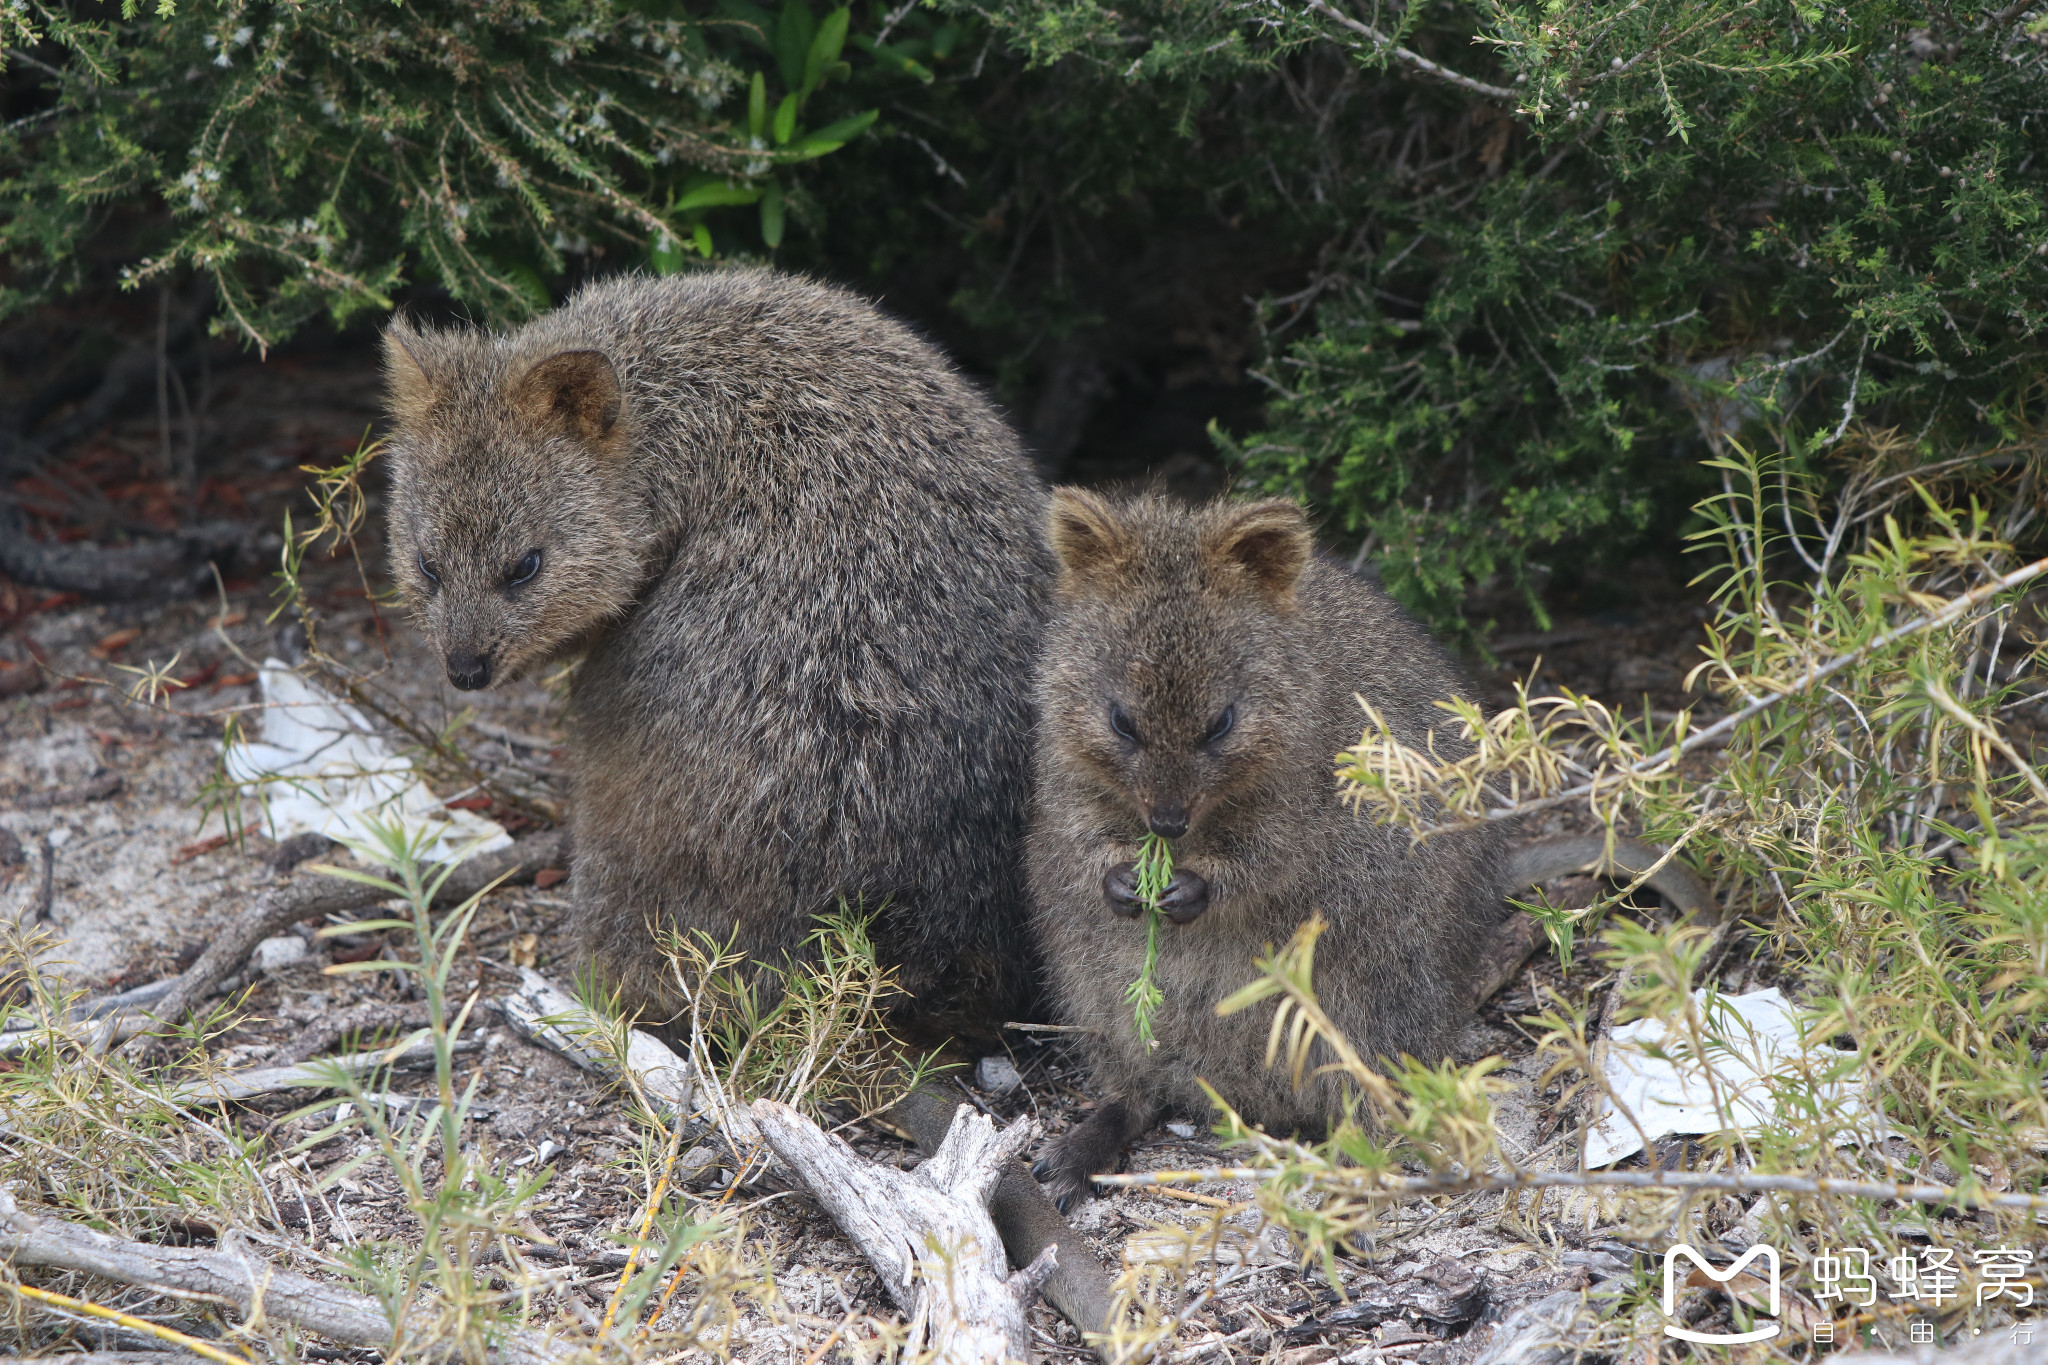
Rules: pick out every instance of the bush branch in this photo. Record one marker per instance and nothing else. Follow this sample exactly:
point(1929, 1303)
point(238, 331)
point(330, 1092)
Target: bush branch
point(1410, 57)
point(1720, 729)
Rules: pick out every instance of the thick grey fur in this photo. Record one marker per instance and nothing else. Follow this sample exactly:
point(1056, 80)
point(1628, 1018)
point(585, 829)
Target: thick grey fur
point(803, 558)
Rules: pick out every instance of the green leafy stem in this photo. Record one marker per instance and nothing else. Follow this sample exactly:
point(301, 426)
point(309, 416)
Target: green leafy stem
point(1155, 870)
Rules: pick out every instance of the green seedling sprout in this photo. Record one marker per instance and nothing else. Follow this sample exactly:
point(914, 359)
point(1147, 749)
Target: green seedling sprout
point(1155, 870)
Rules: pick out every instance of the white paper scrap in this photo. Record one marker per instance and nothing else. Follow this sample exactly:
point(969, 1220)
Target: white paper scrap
point(317, 766)
point(1753, 1043)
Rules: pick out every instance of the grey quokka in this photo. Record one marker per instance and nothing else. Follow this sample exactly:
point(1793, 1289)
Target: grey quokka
point(803, 561)
point(1201, 673)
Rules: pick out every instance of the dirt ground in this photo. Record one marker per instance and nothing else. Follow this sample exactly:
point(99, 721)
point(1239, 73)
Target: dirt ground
point(133, 882)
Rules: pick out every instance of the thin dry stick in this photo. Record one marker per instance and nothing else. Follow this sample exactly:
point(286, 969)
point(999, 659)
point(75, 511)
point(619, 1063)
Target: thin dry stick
point(1726, 725)
point(668, 1165)
point(132, 1323)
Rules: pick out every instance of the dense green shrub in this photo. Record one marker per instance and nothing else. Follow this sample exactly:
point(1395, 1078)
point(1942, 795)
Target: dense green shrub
point(322, 155)
point(1523, 266)
point(1610, 231)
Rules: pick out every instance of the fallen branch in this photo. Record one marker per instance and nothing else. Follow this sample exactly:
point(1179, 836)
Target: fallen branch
point(152, 568)
point(1422, 1186)
point(232, 1276)
point(163, 1357)
point(927, 1233)
point(93, 789)
point(275, 911)
point(268, 1080)
point(548, 1015)
point(367, 1018)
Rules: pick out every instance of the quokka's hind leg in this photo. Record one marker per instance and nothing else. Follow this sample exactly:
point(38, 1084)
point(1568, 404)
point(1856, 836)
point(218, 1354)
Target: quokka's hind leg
point(1026, 1219)
point(1095, 1146)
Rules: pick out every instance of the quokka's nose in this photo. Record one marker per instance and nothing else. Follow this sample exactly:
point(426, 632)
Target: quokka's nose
point(1168, 822)
point(469, 672)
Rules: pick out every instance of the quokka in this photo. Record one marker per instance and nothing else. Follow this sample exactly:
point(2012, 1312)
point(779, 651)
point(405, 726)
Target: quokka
point(1201, 673)
point(803, 561)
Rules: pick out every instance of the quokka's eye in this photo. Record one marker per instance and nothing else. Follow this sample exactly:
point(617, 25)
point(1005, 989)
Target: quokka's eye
point(427, 570)
point(1121, 723)
point(1222, 725)
point(525, 569)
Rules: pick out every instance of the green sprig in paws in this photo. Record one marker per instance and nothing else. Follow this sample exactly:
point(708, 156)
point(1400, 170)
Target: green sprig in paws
point(1155, 870)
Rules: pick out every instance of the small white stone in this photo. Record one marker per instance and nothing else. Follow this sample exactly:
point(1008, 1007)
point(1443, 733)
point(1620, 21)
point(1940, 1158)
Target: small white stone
point(997, 1075)
point(275, 954)
point(1181, 1130)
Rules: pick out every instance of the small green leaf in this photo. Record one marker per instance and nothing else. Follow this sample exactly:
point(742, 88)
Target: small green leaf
point(842, 132)
point(793, 32)
point(701, 234)
point(757, 105)
point(892, 60)
point(824, 49)
point(362, 926)
point(665, 257)
point(771, 217)
point(717, 194)
point(351, 875)
point(785, 118)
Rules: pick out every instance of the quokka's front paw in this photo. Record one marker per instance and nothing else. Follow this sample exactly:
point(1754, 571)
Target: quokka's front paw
point(1093, 1147)
point(1120, 889)
point(1187, 894)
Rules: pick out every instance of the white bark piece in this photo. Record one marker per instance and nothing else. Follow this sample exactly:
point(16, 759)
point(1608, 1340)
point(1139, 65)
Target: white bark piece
point(1653, 1069)
point(548, 1015)
point(317, 764)
point(927, 1232)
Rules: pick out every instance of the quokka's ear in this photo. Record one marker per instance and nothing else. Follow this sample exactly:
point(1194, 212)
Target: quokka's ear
point(573, 391)
point(1091, 540)
point(409, 370)
point(1264, 544)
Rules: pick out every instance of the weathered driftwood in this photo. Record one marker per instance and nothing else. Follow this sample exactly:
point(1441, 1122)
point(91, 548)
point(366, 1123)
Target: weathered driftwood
point(230, 1275)
point(927, 1232)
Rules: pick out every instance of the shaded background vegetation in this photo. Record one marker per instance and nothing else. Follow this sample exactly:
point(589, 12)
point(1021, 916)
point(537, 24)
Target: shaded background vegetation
point(1485, 283)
